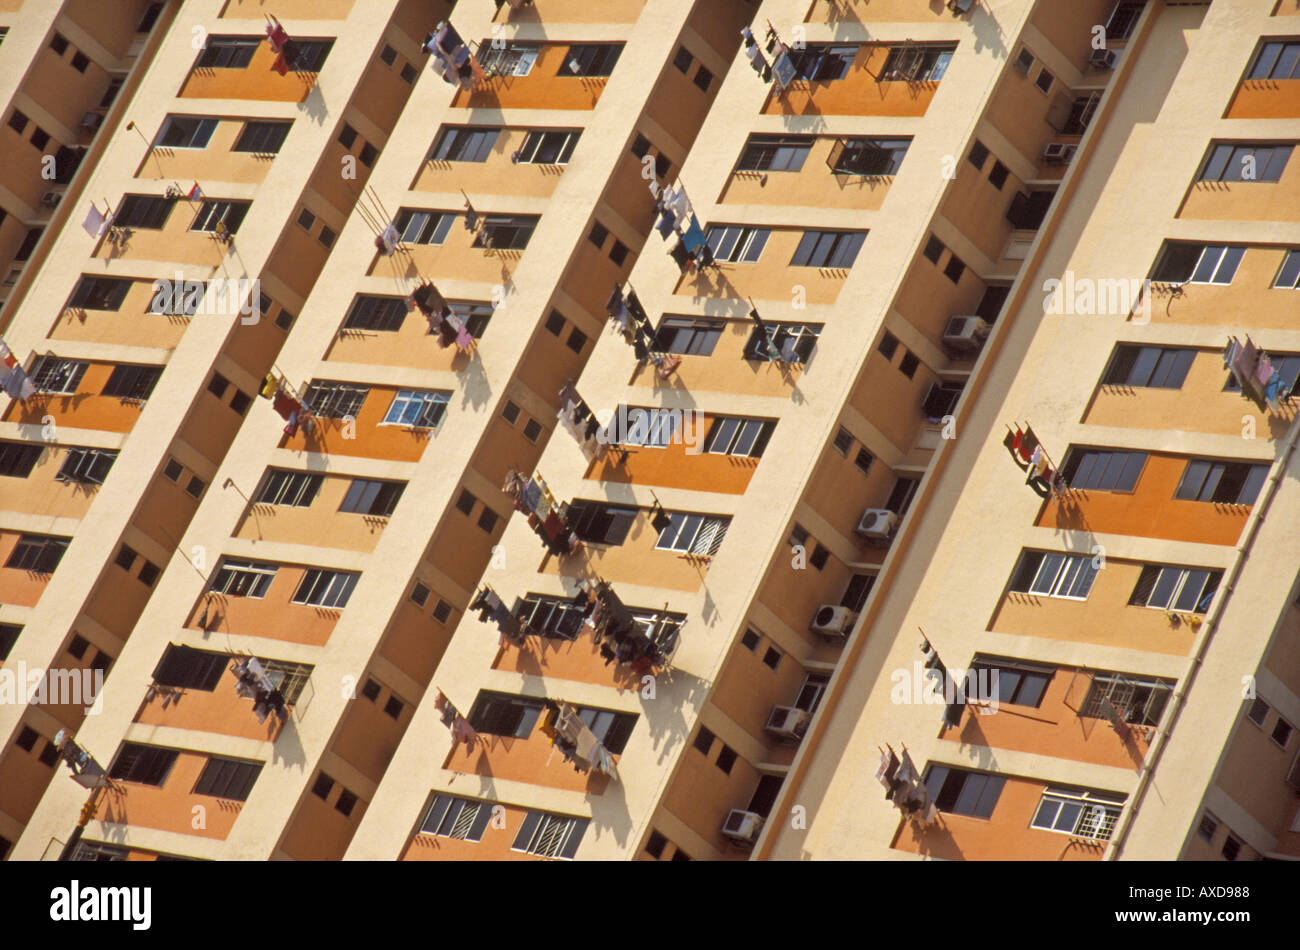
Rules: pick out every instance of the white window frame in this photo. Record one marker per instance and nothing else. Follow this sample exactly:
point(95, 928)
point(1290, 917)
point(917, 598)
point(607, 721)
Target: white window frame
point(428, 399)
point(550, 836)
point(239, 567)
point(1063, 578)
point(689, 532)
point(1096, 819)
point(330, 588)
point(1220, 251)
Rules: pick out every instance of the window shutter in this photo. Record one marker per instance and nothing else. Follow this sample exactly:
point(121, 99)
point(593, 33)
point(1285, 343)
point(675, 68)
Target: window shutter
point(481, 820)
point(577, 828)
point(526, 831)
point(1146, 583)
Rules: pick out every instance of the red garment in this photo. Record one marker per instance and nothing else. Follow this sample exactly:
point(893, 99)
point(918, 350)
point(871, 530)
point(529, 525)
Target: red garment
point(281, 65)
point(276, 34)
point(553, 525)
point(284, 404)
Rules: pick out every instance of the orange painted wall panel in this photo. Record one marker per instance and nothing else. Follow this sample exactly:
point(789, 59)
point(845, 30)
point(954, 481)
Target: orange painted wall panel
point(533, 760)
point(257, 81)
point(542, 88)
point(373, 440)
point(858, 93)
point(1266, 99)
point(171, 807)
point(221, 711)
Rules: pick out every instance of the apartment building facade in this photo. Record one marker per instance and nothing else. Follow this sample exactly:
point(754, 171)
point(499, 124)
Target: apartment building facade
point(1142, 620)
point(776, 295)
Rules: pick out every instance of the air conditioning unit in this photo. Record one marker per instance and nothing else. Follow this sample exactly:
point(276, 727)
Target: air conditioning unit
point(965, 333)
point(1059, 153)
point(877, 524)
point(832, 620)
point(742, 826)
point(1103, 59)
point(51, 198)
point(788, 722)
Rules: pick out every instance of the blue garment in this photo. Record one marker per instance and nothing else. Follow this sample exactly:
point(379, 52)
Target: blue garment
point(665, 226)
point(693, 238)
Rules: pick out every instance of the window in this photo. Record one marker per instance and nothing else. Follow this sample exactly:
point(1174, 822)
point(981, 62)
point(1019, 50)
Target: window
point(1084, 814)
point(228, 52)
point(388, 55)
point(100, 293)
point(464, 143)
point(419, 408)
point(857, 591)
point(87, 466)
point(688, 336)
point(954, 269)
point(700, 535)
point(787, 342)
point(306, 220)
point(125, 557)
point(145, 764)
point(345, 803)
point(465, 503)
point(8, 637)
point(130, 381)
point(1087, 469)
point(409, 74)
point(1024, 61)
point(576, 341)
point(590, 59)
point(933, 250)
point(264, 138)
point(654, 846)
point(186, 668)
point(322, 787)
point(735, 243)
point(598, 234)
point(311, 55)
point(543, 147)
point(1185, 589)
point(240, 402)
point(509, 232)
point(555, 617)
point(231, 779)
point(1245, 162)
point(979, 154)
point(940, 400)
point(1224, 483)
point(325, 588)
point(1258, 712)
point(1123, 18)
point(772, 658)
point(551, 836)
point(58, 44)
point(368, 155)
point(150, 17)
point(173, 470)
point(1277, 59)
point(599, 523)
point(1154, 366)
point(326, 236)
point(1044, 80)
point(532, 430)
point(17, 121)
point(239, 578)
point(828, 249)
point(499, 714)
point(38, 553)
point(419, 594)
point(1208, 826)
point(1231, 848)
point(1281, 733)
point(1028, 208)
point(611, 729)
point(452, 817)
point(335, 400)
point(998, 175)
point(28, 245)
point(960, 792)
point(618, 253)
point(17, 459)
point(736, 435)
point(289, 678)
point(726, 759)
point(371, 497)
point(1197, 263)
point(1017, 684)
point(214, 216)
point(143, 211)
point(909, 364)
point(1081, 112)
point(819, 62)
point(775, 153)
point(863, 461)
point(347, 136)
point(511, 59)
point(1054, 575)
point(186, 131)
point(917, 63)
point(867, 156)
point(423, 226)
point(441, 611)
point(1137, 699)
point(292, 489)
point(683, 59)
point(195, 486)
point(703, 79)
point(1288, 275)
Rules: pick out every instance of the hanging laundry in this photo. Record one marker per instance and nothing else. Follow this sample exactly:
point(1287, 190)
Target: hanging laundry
point(667, 364)
point(463, 731)
point(270, 386)
point(17, 385)
point(667, 219)
point(681, 256)
point(693, 236)
point(756, 58)
point(276, 34)
point(387, 241)
point(6, 356)
point(284, 404)
point(464, 339)
point(281, 65)
point(95, 222)
point(1264, 370)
